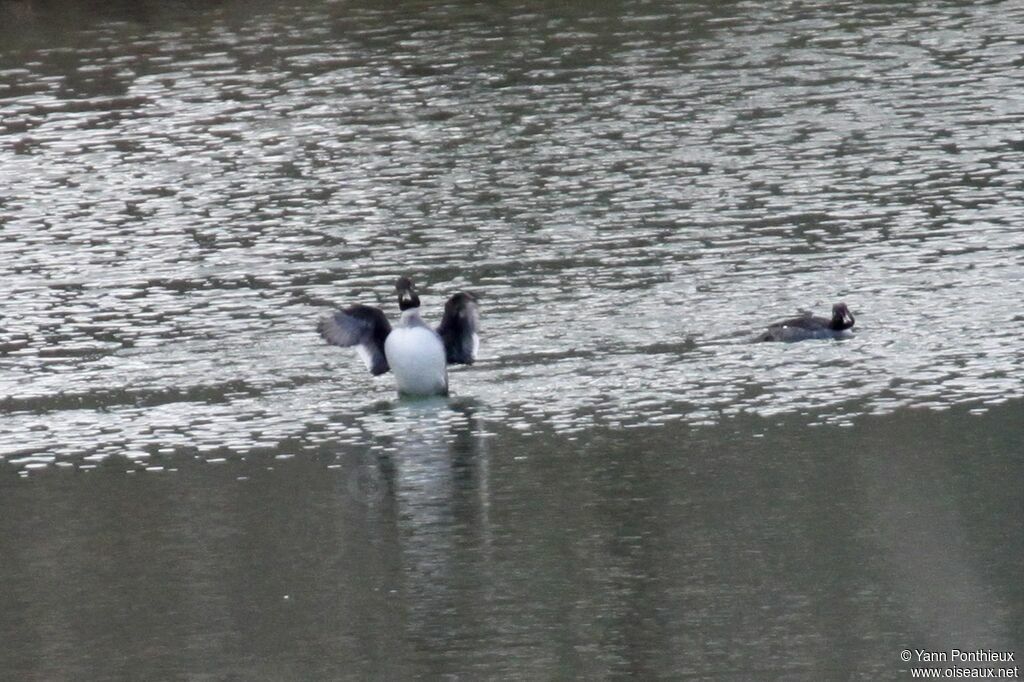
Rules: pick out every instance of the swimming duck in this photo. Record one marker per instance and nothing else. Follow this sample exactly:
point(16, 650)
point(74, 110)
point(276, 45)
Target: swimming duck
point(417, 355)
point(810, 327)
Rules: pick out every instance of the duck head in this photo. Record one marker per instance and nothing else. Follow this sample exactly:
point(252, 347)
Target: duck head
point(407, 297)
point(842, 318)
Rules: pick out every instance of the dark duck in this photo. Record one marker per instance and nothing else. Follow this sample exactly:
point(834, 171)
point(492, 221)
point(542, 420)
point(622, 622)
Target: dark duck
point(416, 354)
point(811, 327)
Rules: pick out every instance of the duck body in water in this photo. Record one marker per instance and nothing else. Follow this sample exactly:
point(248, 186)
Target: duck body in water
point(417, 355)
point(811, 327)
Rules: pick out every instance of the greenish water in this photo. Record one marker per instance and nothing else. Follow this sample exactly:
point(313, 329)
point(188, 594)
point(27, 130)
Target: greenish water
point(194, 486)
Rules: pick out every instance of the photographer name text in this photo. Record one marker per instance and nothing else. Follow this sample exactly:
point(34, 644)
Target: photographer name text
point(958, 656)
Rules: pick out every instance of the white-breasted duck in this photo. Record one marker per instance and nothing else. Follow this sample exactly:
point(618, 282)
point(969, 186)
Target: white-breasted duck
point(417, 355)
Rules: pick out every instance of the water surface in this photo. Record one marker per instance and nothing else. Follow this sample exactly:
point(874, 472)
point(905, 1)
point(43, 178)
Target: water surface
point(622, 483)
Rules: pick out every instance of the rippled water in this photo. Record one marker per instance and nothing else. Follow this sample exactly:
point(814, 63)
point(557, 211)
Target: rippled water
point(634, 189)
point(632, 197)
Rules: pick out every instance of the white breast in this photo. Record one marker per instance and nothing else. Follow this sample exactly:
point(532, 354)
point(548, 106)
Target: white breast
point(416, 357)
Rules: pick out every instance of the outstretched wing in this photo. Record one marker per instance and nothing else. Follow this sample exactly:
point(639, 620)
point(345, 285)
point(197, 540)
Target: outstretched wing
point(458, 329)
point(362, 326)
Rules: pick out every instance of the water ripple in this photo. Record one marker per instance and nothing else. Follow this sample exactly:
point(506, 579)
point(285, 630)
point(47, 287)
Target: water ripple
point(632, 199)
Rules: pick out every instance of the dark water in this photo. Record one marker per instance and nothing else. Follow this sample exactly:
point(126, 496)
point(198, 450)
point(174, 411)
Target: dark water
point(751, 550)
point(193, 486)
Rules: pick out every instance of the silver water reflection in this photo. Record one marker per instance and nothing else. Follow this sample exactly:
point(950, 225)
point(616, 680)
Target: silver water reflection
point(633, 190)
